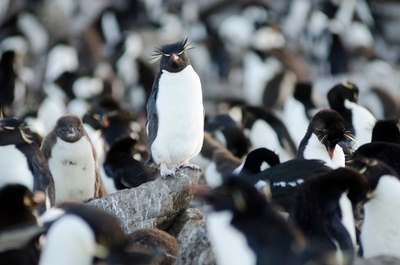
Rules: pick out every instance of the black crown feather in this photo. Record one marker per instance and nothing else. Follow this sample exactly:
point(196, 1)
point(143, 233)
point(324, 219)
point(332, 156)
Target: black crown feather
point(168, 49)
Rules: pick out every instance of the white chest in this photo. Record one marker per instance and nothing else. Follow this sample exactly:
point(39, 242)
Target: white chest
point(363, 122)
point(316, 150)
point(263, 135)
point(180, 117)
point(69, 241)
point(14, 167)
point(74, 170)
point(229, 245)
point(380, 232)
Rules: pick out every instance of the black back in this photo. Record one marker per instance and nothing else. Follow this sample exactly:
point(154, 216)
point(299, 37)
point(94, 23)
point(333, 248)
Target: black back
point(316, 209)
point(387, 130)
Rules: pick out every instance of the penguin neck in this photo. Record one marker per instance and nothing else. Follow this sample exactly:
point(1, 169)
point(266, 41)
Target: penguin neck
point(76, 247)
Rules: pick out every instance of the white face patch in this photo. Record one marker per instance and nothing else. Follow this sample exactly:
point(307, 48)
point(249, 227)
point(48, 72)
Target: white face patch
point(229, 245)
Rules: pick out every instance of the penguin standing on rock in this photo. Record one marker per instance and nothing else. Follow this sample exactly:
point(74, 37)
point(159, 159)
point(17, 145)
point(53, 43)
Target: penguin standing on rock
point(72, 161)
point(175, 112)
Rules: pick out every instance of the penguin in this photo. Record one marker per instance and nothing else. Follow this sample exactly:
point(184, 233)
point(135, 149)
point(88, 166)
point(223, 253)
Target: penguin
point(360, 122)
point(284, 178)
point(257, 160)
point(225, 129)
point(175, 112)
point(267, 130)
point(71, 158)
point(378, 234)
point(386, 130)
point(323, 209)
point(22, 162)
point(159, 239)
point(321, 141)
point(244, 220)
point(298, 111)
point(20, 232)
point(383, 151)
point(82, 234)
point(121, 166)
point(107, 115)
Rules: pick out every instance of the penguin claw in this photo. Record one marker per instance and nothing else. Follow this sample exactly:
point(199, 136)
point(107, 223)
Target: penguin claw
point(166, 172)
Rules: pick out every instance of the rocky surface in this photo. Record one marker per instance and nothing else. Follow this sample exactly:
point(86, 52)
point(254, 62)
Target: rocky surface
point(152, 204)
point(191, 233)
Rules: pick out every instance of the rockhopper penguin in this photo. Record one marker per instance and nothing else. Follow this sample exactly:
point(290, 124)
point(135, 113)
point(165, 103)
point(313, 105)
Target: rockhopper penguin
point(175, 112)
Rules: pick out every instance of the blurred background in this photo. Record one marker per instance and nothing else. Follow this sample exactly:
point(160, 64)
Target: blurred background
point(57, 56)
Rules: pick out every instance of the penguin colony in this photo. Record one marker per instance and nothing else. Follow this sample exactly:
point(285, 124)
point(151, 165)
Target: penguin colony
point(291, 111)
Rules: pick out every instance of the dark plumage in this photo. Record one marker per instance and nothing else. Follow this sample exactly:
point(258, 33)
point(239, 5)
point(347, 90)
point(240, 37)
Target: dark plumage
point(387, 130)
point(167, 50)
point(19, 242)
point(384, 151)
point(107, 115)
point(123, 168)
point(336, 98)
point(234, 137)
point(255, 159)
point(7, 79)
point(15, 132)
point(303, 93)
point(318, 211)
point(285, 178)
point(329, 128)
point(269, 236)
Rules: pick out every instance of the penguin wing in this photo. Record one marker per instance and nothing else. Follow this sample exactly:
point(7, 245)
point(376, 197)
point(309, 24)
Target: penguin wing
point(48, 143)
point(152, 118)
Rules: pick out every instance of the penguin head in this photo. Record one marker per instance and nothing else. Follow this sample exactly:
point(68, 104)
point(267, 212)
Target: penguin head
point(69, 128)
point(372, 169)
point(386, 130)
point(173, 57)
point(18, 204)
point(330, 128)
point(14, 131)
point(235, 195)
point(340, 92)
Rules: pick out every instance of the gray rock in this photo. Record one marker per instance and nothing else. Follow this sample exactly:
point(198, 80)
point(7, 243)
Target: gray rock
point(153, 204)
point(191, 233)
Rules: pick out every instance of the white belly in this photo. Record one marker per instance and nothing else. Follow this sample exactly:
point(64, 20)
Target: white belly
point(14, 167)
point(180, 117)
point(73, 168)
